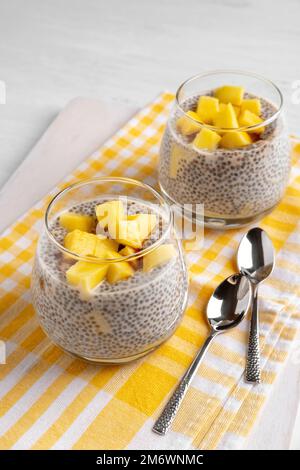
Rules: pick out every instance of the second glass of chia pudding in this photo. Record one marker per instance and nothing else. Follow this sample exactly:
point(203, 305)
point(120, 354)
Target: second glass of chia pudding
point(109, 282)
point(226, 147)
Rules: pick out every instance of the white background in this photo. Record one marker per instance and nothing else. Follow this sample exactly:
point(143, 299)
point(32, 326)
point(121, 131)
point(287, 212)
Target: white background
point(126, 52)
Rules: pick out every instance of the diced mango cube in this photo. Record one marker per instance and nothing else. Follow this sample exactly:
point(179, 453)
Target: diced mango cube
point(88, 244)
point(206, 139)
point(71, 221)
point(226, 117)
point(252, 105)
point(187, 125)
point(175, 157)
point(161, 255)
point(237, 110)
point(207, 108)
point(109, 254)
point(129, 234)
point(146, 223)
point(128, 251)
point(108, 242)
point(247, 118)
point(235, 139)
point(230, 94)
point(119, 271)
point(109, 214)
point(86, 275)
point(80, 243)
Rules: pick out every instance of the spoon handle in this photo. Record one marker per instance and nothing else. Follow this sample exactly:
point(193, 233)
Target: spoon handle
point(168, 414)
point(253, 356)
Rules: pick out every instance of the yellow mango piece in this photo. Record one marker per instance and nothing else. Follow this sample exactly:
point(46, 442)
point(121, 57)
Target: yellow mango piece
point(175, 158)
point(230, 94)
point(88, 244)
point(129, 234)
point(207, 108)
point(247, 118)
point(128, 251)
point(109, 214)
point(188, 126)
point(108, 242)
point(80, 243)
point(119, 271)
point(226, 117)
point(237, 110)
point(206, 139)
point(106, 253)
point(161, 255)
point(71, 221)
point(146, 223)
point(85, 275)
point(252, 105)
point(235, 139)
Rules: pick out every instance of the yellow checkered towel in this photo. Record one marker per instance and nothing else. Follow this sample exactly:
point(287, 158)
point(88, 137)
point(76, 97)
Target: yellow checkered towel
point(50, 400)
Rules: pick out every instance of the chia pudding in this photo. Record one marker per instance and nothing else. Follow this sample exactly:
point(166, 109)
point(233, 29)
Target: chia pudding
point(119, 321)
point(235, 185)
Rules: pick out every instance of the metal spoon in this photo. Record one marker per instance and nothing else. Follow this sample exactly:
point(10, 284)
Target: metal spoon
point(226, 308)
point(255, 259)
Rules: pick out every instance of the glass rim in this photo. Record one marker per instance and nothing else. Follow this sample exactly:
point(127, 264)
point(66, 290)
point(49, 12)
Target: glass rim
point(261, 78)
point(107, 179)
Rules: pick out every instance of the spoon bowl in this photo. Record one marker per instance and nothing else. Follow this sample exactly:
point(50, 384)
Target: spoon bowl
point(256, 256)
point(229, 303)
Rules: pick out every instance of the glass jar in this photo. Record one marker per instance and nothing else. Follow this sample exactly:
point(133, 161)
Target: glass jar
point(236, 186)
point(115, 322)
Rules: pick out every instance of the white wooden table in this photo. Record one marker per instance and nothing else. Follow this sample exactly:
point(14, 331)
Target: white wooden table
point(125, 53)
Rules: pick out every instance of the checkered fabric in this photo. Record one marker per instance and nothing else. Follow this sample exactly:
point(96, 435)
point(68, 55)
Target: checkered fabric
point(49, 400)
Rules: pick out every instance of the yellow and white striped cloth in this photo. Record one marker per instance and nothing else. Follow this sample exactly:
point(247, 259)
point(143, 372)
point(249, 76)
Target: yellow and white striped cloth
point(49, 400)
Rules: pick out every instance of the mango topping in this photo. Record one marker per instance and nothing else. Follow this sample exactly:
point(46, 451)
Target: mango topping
point(87, 244)
point(227, 109)
point(146, 223)
point(86, 275)
point(230, 94)
point(207, 139)
point(207, 108)
point(128, 234)
point(71, 221)
point(187, 125)
point(237, 110)
point(226, 117)
point(235, 139)
point(130, 230)
point(175, 158)
point(119, 271)
point(127, 251)
point(252, 105)
point(162, 254)
point(247, 118)
point(109, 214)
